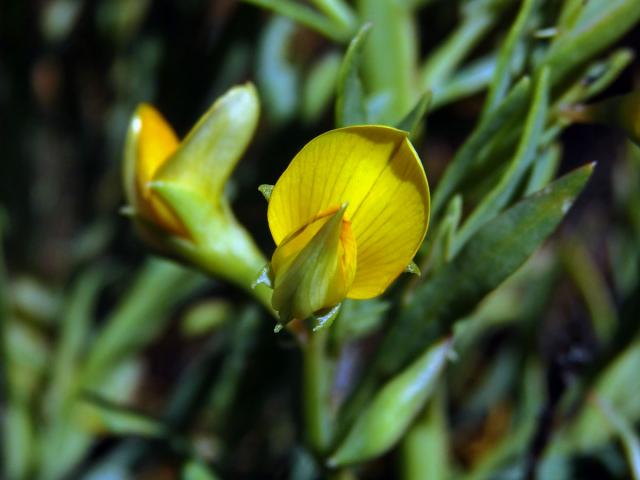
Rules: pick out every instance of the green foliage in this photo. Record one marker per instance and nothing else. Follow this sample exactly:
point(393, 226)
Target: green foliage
point(513, 354)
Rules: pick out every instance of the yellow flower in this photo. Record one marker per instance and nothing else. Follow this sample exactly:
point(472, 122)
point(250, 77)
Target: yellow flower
point(347, 217)
point(157, 164)
point(175, 189)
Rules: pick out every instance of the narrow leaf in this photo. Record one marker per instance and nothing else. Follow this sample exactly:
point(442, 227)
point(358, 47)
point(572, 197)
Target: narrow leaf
point(505, 114)
point(544, 169)
point(393, 408)
point(502, 75)
point(597, 24)
point(278, 78)
point(492, 255)
point(306, 16)
point(425, 447)
point(440, 64)
point(350, 98)
point(500, 195)
point(135, 322)
point(196, 470)
point(625, 431)
point(469, 80)
point(319, 86)
point(411, 122)
point(108, 417)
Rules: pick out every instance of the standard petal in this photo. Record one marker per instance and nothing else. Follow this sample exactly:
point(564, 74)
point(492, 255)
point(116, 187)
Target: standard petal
point(375, 170)
point(214, 145)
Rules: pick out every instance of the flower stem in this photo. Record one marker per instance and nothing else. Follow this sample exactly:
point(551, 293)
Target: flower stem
point(316, 371)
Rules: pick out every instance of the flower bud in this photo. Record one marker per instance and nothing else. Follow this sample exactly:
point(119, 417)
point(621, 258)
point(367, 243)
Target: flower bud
point(175, 188)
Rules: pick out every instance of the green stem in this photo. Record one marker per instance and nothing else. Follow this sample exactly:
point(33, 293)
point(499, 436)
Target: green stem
point(237, 259)
point(316, 386)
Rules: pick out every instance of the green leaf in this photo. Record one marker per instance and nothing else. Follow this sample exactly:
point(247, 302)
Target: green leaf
point(223, 392)
point(585, 432)
point(350, 97)
point(437, 249)
point(507, 113)
point(18, 441)
point(502, 75)
point(393, 408)
point(109, 417)
point(196, 470)
point(491, 256)
point(339, 12)
point(390, 57)
point(625, 431)
point(585, 274)
point(439, 66)
point(598, 76)
point(425, 447)
point(598, 24)
point(136, 321)
point(305, 16)
point(319, 86)
point(77, 320)
point(411, 122)
point(471, 79)
point(205, 317)
point(544, 169)
point(277, 77)
point(357, 319)
point(502, 193)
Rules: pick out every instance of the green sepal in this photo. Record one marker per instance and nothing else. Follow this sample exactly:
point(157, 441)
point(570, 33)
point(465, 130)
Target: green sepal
point(191, 209)
point(265, 189)
point(210, 151)
point(325, 320)
point(302, 288)
point(265, 277)
point(413, 268)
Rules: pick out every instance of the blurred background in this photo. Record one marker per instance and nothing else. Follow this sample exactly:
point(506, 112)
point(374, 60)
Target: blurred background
point(187, 369)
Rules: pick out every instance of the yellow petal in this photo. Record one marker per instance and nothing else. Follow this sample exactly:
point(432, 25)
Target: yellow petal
point(214, 145)
point(156, 142)
point(151, 141)
point(377, 172)
point(314, 267)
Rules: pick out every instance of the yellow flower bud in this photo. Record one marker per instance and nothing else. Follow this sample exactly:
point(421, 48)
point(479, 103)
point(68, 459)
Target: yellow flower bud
point(347, 216)
point(175, 189)
point(152, 141)
point(157, 165)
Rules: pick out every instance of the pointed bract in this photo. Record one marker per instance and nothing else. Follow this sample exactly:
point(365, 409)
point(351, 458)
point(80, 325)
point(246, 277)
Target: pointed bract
point(314, 267)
